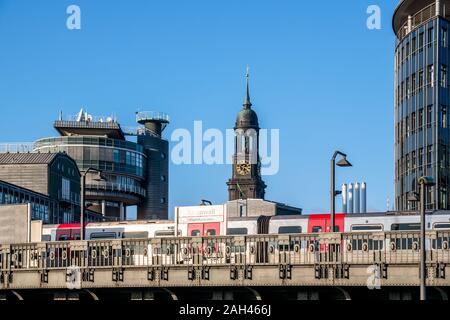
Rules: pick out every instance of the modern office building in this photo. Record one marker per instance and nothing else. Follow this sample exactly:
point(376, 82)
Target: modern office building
point(422, 101)
point(135, 173)
point(49, 181)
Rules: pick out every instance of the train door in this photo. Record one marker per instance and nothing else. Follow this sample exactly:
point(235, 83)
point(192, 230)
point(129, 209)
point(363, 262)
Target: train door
point(204, 229)
point(322, 223)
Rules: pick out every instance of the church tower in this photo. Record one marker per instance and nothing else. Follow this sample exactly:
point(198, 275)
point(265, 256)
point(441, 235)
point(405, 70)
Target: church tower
point(246, 181)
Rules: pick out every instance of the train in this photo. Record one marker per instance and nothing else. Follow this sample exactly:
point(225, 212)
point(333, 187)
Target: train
point(282, 224)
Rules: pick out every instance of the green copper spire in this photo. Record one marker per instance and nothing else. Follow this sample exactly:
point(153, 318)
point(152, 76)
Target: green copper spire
point(247, 103)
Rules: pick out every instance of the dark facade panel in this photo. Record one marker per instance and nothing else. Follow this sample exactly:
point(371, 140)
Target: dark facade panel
point(155, 204)
point(421, 111)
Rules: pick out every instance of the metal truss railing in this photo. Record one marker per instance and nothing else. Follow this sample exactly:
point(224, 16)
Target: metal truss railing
point(271, 250)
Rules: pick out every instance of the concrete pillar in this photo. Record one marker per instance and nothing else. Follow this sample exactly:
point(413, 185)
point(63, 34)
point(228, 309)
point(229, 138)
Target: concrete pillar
point(400, 295)
point(438, 7)
point(356, 196)
point(307, 295)
point(222, 295)
point(350, 198)
point(63, 296)
point(344, 198)
point(121, 211)
point(143, 295)
point(409, 24)
point(104, 207)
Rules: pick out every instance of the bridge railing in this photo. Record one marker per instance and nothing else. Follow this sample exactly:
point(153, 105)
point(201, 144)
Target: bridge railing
point(295, 249)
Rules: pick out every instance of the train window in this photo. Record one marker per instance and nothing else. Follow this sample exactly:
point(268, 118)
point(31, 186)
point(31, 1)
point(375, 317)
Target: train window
point(316, 229)
point(103, 235)
point(441, 226)
point(237, 231)
point(195, 233)
point(63, 237)
point(289, 229)
point(366, 227)
point(211, 232)
point(77, 237)
point(46, 237)
point(405, 226)
point(136, 235)
point(164, 233)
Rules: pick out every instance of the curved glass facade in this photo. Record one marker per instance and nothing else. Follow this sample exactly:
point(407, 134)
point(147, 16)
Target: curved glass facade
point(121, 162)
point(421, 110)
point(110, 155)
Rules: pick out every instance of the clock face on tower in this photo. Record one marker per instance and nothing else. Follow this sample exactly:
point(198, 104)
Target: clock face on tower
point(243, 168)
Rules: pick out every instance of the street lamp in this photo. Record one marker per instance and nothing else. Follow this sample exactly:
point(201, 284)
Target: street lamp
point(99, 177)
point(424, 182)
point(333, 193)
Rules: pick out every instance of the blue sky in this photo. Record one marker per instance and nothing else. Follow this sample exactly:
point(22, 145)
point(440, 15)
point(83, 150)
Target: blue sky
point(317, 74)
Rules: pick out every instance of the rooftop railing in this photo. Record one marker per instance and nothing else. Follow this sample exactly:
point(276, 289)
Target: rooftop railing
point(417, 20)
point(17, 147)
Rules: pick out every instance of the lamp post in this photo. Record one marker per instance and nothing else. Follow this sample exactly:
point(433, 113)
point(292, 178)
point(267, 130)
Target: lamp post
point(341, 163)
point(424, 183)
point(99, 177)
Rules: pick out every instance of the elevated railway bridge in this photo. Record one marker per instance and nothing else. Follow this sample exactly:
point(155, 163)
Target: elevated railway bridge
point(381, 265)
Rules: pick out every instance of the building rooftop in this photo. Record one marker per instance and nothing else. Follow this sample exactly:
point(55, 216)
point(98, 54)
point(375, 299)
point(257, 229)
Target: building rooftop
point(27, 158)
point(419, 10)
point(85, 124)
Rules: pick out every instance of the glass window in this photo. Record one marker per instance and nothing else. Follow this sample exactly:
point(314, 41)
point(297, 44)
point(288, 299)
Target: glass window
point(430, 36)
point(316, 229)
point(430, 75)
point(405, 226)
point(443, 75)
point(420, 118)
point(421, 79)
point(367, 227)
point(429, 115)
point(195, 233)
point(289, 229)
point(429, 155)
point(444, 37)
point(421, 39)
point(237, 231)
point(444, 116)
point(420, 156)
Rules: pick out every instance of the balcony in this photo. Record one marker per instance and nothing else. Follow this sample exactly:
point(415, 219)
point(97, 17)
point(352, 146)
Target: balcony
point(116, 187)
